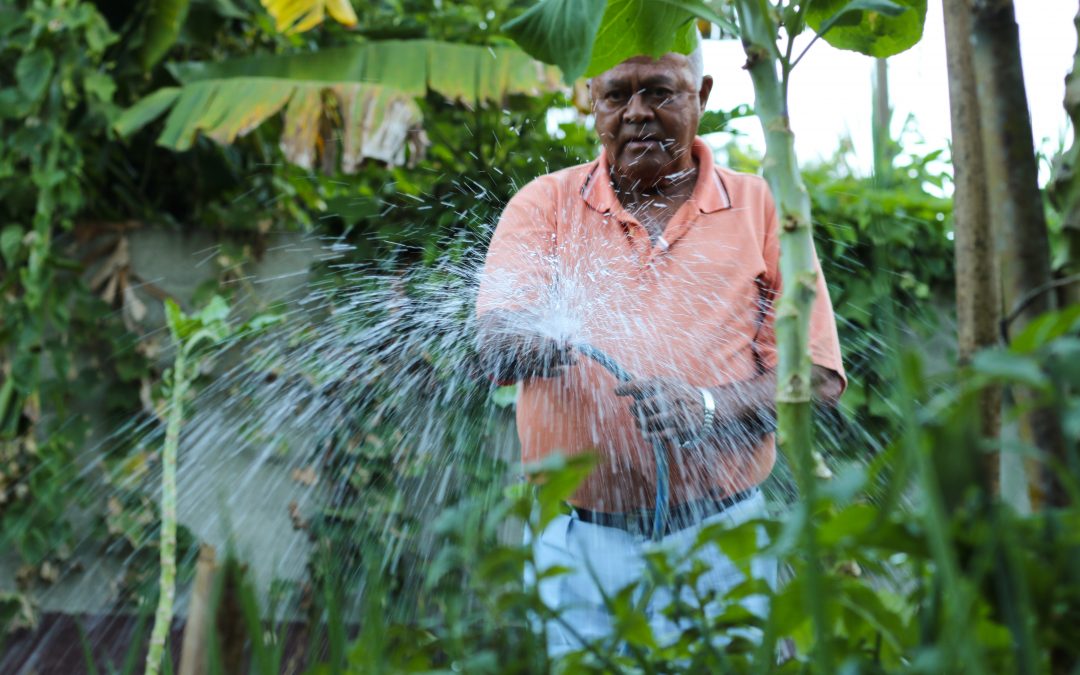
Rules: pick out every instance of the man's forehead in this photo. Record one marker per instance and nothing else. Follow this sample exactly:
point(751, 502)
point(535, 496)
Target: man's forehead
point(674, 66)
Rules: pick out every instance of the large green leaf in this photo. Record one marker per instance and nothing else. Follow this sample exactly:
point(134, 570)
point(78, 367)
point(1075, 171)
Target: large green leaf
point(641, 27)
point(145, 111)
point(560, 32)
point(372, 87)
point(878, 28)
point(587, 37)
point(466, 73)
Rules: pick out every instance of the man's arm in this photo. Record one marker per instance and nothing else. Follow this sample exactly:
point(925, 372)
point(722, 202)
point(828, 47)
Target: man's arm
point(674, 410)
point(742, 399)
point(511, 350)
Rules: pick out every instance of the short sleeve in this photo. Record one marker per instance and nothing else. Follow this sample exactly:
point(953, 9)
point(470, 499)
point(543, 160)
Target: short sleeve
point(824, 341)
point(519, 265)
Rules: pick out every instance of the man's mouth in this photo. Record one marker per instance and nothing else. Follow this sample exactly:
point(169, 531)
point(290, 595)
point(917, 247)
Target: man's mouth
point(643, 144)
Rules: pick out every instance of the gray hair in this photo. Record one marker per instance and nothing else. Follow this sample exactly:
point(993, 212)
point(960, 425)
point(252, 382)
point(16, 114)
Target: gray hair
point(697, 64)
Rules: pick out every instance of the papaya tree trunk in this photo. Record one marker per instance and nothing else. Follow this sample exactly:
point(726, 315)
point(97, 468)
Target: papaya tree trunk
point(978, 295)
point(881, 118)
point(1016, 207)
point(793, 396)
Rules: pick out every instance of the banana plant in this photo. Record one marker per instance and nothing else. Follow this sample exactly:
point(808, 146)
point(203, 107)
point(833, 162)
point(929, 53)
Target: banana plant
point(368, 89)
point(291, 16)
point(345, 103)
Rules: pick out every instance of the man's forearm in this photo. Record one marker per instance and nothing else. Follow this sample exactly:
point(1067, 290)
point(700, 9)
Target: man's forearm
point(746, 410)
point(496, 346)
point(511, 350)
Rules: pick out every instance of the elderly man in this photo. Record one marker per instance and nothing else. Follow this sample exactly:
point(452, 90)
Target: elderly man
point(670, 266)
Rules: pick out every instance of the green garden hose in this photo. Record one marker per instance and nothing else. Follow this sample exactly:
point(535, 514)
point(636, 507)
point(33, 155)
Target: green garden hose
point(660, 515)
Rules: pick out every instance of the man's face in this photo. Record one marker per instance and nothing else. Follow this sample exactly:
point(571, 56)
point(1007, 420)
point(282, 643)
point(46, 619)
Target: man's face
point(647, 113)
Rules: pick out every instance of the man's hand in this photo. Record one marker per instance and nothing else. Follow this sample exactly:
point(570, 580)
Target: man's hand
point(674, 411)
point(511, 350)
point(666, 408)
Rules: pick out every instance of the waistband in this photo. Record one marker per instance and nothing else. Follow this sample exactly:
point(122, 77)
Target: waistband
point(680, 517)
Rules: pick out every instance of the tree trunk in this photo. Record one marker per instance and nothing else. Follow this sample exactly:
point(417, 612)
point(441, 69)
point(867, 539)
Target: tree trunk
point(1065, 189)
point(978, 296)
point(1016, 205)
point(793, 396)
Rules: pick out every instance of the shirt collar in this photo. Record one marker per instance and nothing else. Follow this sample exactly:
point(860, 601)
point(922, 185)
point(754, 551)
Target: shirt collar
point(709, 194)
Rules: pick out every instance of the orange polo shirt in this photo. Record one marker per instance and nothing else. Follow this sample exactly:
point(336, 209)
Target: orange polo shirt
point(695, 306)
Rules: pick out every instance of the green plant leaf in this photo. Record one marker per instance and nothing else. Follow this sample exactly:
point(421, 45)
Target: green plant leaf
point(33, 71)
point(505, 396)
point(368, 89)
point(10, 242)
point(715, 121)
point(100, 86)
point(1046, 328)
point(215, 311)
point(180, 325)
point(145, 111)
point(1006, 366)
point(641, 27)
point(163, 24)
point(878, 28)
point(561, 32)
point(699, 9)
point(588, 37)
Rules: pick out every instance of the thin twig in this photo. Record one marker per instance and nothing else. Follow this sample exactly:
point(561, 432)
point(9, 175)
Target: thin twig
point(1030, 297)
point(803, 52)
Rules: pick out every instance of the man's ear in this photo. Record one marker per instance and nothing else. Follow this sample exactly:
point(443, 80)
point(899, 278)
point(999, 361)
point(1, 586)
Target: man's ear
point(706, 89)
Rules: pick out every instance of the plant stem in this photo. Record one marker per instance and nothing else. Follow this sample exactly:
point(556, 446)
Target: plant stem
point(959, 643)
point(167, 583)
point(799, 274)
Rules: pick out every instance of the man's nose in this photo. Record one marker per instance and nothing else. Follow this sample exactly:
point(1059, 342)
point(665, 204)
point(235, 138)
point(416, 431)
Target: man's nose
point(636, 110)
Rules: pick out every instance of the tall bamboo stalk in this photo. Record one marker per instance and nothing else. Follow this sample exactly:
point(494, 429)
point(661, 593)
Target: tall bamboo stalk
point(793, 396)
point(167, 582)
point(1016, 206)
point(978, 296)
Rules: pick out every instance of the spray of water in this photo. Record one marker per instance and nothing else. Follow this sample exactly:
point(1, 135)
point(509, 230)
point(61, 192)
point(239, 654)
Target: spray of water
point(365, 411)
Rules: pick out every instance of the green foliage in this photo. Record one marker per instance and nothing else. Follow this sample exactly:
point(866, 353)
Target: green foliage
point(877, 28)
point(890, 606)
point(560, 32)
point(880, 245)
point(354, 88)
point(166, 18)
point(588, 38)
point(60, 98)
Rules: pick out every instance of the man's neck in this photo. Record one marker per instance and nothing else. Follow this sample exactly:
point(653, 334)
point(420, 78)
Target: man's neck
point(654, 204)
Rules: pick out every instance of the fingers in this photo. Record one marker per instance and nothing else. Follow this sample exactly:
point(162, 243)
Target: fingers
point(639, 389)
point(553, 359)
